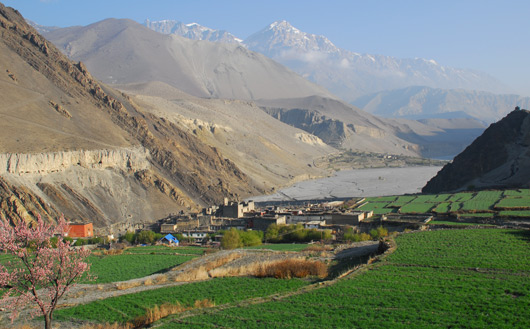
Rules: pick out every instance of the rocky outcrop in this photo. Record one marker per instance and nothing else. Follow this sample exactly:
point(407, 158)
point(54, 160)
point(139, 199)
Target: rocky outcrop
point(499, 158)
point(42, 163)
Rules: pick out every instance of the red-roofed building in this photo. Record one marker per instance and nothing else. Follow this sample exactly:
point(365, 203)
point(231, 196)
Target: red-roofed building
point(80, 230)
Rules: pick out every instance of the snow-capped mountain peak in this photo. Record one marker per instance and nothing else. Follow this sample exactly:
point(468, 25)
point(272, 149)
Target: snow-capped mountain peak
point(193, 31)
point(280, 36)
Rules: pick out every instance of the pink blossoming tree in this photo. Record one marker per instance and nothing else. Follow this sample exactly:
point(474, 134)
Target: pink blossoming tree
point(38, 272)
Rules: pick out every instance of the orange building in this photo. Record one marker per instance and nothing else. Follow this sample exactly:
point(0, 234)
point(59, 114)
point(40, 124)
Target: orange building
point(80, 230)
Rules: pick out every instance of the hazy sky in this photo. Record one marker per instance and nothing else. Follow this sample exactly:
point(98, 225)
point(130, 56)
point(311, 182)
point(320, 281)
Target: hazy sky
point(491, 36)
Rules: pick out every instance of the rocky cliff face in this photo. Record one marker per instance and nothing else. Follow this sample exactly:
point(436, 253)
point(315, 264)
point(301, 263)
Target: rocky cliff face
point(106, 161)
point(499, 158)
point(43, 163)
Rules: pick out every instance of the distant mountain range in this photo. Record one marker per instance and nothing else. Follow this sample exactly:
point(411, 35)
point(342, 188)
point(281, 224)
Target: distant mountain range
point(424, 102)
point(124, 52)
point(356, 77)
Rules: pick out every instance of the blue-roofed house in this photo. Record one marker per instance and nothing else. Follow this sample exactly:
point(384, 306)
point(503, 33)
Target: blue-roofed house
point(169, 239)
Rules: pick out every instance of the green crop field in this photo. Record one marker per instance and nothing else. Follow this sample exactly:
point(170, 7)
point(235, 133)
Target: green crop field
point(515, 213)
point(130, 266)
point(165, 250)
point(485, 204)
point(513, 202)
point(220, 291)
point(416, 208)
point(435, 279)
point(442, 207)
point(402, 200)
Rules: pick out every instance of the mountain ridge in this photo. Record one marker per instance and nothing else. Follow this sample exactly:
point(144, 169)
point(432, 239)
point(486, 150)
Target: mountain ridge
point(499, 158)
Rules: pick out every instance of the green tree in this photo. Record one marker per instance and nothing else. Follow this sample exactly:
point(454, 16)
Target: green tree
point(250, 238)
point(129, 237)
point(146, 237)
point(231, 239)
point(272, 233)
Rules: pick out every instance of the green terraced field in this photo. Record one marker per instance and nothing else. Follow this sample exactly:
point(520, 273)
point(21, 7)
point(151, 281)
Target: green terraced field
point(481, 203)
point(220, 291)
point(130, 266)
point(165, 250)
point(435, 279)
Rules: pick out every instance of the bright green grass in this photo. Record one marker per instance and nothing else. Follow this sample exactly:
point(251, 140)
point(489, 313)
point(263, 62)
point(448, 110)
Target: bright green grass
point(130, 266)
point(478, 214)
point(435, 279)
point(515, 213)
point(384, 211)
point(374, 205)
point(519, 192)
point(387, 199)
point(165, 250)
point(455, 206)
point(459, 197)
point(443, 208)
point(402, 200)
point(513, 202)
point(282, 246)
point(478, 205)
point(220, 291)
point(416, 208)
point(446, 222)
point(440, 197)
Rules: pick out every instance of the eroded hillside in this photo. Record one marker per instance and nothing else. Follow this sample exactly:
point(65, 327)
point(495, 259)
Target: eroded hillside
point(53, 109)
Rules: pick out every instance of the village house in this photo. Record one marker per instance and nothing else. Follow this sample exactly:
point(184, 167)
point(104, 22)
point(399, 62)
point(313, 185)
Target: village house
point(76, 230)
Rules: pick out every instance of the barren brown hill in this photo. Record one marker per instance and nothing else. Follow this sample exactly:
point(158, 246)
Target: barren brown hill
point(72, 145)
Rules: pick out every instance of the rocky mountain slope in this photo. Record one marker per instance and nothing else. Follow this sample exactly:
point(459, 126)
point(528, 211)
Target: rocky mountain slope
point(499, 158)
point(199, 68)
point(270, 152)
point(424, 102)
point(69, 144)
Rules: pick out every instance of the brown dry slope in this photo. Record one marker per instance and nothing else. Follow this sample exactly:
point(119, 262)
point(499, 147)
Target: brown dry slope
point(75, 146)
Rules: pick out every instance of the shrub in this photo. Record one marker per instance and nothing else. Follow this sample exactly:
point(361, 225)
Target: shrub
point(357, 237)
point(379, 233)
point(231, 239)
point(146, 237)
point(293, 268)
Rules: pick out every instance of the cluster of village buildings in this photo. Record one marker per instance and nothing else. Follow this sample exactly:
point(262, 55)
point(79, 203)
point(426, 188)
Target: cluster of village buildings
point(245, 216)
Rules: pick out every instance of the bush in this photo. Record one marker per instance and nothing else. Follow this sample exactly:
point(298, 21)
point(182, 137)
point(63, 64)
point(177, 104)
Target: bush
point(293, 268)
point(231, 239)
point(356, 237)
point(379, 233)
point(80, 242)
point(129, 237)
point(146, 237)
point(251, 238)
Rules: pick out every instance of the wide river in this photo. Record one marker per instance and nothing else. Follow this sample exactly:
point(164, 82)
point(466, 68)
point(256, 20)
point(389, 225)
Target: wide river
point(356, 183)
